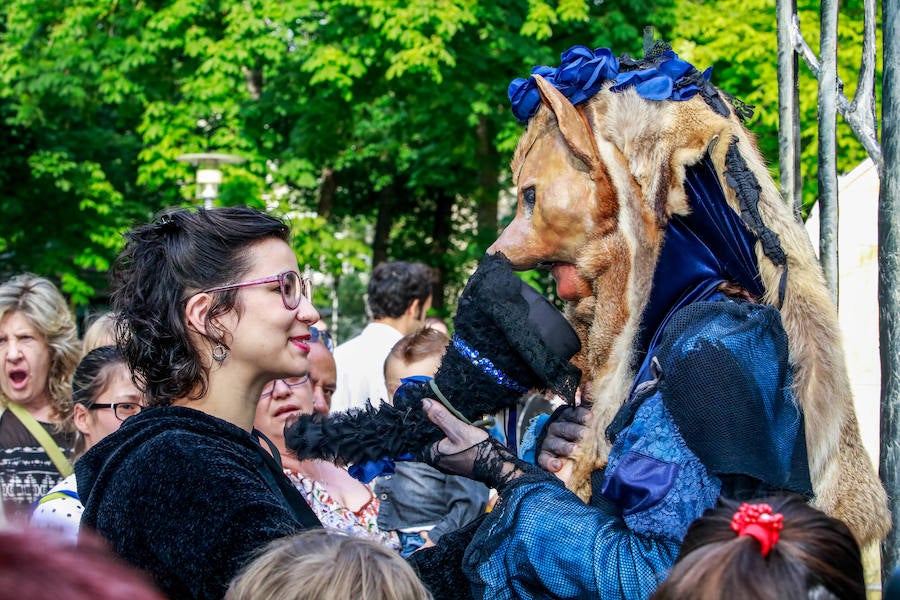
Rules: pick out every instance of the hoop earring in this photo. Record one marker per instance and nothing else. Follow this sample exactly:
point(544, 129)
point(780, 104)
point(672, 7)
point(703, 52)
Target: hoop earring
point(219, 353)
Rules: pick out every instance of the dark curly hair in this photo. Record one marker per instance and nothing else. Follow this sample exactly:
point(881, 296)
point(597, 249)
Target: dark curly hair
point(815, 556)
point(180, 252)
point(394, 286)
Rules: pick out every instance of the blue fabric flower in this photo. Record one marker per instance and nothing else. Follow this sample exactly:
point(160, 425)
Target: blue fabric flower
point(667, 81)
point(524, 94)
point(582, 72)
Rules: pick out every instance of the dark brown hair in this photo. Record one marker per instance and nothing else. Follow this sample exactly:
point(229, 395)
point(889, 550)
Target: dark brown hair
point(395, 285)
point(816, 556)
point(181, 252)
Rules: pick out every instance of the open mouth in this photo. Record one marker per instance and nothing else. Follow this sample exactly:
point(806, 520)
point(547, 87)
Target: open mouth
point(17, 378)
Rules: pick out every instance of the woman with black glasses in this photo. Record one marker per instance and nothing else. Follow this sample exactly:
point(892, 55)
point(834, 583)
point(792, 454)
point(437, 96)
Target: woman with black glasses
point(211, 307)
point(103, 396)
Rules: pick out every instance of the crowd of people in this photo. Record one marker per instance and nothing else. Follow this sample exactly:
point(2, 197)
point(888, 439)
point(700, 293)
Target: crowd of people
point(173, 407)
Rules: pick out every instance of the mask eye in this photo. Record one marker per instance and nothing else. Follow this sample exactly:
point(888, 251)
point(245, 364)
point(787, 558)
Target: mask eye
point(528, 199)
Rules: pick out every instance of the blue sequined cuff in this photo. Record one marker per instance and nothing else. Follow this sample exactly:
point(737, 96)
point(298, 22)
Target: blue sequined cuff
point(486, 366)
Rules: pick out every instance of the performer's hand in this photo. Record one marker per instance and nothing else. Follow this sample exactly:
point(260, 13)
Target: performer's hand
point(471, 452)
point(563, 435)
point(460, 436)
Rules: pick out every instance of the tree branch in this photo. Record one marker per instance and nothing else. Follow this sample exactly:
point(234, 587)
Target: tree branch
point(860, 114)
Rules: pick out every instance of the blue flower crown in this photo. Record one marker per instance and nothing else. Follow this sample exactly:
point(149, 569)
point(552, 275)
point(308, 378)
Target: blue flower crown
point(582, 72)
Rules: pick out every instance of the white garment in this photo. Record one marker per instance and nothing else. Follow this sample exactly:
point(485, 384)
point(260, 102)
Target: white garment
point(60, 510)
point(360, 367)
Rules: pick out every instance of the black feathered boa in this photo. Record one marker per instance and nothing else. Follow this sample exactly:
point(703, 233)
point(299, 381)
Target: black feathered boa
point(507, 340)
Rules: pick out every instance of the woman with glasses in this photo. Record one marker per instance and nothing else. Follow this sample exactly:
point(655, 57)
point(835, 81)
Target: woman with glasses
point(210, 308)
point(339, 501)
point(103, 396)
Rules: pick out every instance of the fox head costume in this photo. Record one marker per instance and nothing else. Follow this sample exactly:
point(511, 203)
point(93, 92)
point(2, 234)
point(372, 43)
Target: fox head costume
point(600, 174)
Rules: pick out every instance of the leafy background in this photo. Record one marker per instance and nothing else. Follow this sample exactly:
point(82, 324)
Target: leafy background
point(379, 128)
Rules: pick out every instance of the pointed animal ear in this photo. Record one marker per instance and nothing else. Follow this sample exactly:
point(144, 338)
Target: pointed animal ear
point(572, 124)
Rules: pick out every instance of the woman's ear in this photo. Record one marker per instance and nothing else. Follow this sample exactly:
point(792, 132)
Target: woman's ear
point(81, 417)
point(195, 312)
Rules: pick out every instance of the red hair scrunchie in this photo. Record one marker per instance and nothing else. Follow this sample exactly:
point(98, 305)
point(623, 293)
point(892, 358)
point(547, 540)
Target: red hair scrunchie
point(758, 521)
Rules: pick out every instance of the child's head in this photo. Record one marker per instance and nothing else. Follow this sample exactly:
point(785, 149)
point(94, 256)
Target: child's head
point(810, 555)
point(101, 332)
point(324, 563)
point(418, 353)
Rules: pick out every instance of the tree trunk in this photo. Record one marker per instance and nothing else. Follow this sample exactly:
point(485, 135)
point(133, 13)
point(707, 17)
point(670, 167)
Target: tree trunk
point(440, 249)
point(385, 200)
point(827, 174)
point(488, 184)
point(327, 193)
point(888, 285)
point(788, 110)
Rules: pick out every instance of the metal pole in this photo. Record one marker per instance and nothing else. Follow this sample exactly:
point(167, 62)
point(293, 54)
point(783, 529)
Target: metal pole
point(888, 285)
point(788, 108)
point(828, 192)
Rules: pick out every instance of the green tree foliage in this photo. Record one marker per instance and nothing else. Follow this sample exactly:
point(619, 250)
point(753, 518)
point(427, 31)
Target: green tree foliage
point(738, 39)
point(379, 128)
point(385, 115)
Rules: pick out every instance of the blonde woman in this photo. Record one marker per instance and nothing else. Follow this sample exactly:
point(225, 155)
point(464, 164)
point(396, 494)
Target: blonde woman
point(329, 564)
point(39, 350)
point(101, 332)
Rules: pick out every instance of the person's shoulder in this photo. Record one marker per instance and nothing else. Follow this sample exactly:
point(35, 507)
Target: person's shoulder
point(348, 346)
point(176, 433)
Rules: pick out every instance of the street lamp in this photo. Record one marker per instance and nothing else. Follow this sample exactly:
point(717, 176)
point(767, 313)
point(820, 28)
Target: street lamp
point(209, 177)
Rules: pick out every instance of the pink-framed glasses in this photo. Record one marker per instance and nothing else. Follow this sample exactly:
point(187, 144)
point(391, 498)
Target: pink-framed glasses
point(291, 285)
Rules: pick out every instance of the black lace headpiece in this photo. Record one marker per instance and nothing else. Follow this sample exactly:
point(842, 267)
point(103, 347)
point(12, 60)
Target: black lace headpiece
point(507, 340)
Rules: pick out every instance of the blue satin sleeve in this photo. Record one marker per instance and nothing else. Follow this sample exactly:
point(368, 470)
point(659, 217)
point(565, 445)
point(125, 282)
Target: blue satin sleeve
point(584, 551)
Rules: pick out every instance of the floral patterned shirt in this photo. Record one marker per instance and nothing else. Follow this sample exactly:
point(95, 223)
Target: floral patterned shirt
point(334, 515)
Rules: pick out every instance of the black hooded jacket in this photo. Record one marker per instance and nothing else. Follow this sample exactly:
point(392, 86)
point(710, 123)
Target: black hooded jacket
point(187, 497)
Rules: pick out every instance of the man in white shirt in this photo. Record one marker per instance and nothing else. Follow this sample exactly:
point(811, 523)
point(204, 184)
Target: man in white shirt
point(398, 297)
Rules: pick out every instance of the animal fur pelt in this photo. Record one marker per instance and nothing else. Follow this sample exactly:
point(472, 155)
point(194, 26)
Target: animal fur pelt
point(507, 339)
point(597, 184)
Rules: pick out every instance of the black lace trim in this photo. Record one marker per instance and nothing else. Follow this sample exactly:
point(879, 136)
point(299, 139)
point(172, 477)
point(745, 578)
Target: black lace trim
point(488, 461)
point(743, 110)
point(747, 188)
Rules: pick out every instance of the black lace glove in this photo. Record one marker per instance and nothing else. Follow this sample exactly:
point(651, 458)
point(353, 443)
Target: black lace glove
point(470, 452)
